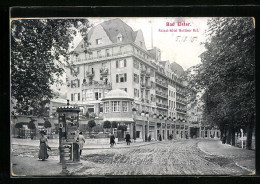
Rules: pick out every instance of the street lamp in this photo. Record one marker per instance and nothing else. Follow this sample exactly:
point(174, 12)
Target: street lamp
point(165, 118)
point(147, 116)
point(134, 127)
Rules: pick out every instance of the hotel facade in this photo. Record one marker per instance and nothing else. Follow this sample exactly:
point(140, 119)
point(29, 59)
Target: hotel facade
point(115, 57)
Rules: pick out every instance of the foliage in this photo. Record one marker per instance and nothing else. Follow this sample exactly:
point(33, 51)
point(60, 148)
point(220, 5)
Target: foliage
point(227, 74)
point(91, 124)
point(39, 50)
point(122, 127)
point(31, 125)
point(98, 128)
point(47, 124)
point(19, 125)
point(107, 124)
point(114, 124)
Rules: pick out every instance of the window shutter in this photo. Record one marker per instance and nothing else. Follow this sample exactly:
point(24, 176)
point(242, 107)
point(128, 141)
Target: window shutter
point(125, 77)
point(116, 64)
point(117, 78)
point(71, 97)
point(78, 96)
point(125, 62)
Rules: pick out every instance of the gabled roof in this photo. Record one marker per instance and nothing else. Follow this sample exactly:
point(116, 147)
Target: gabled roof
point(115, 26)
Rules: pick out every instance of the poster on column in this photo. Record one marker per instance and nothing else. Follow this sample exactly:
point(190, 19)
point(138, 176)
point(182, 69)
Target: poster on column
point(125, 74)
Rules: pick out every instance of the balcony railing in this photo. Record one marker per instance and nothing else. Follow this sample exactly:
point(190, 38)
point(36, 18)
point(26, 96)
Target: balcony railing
point(90, 74)
point(161, 83)
point(150, 61)
point(104, 71)
point(181, 110)
point(162, 105)
point(162, 94)
point(97, 85)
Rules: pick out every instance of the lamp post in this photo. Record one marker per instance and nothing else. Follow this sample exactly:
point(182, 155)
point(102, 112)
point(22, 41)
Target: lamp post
point(166, 136)
point(147, 116)
point(134, 127)
point(142, 114)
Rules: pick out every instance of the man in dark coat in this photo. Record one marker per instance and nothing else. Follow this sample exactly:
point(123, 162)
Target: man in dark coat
point(127, 138)
point(112, 140)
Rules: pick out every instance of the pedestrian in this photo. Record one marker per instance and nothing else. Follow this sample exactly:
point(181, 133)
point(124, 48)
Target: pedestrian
point(43, 147)
point(81, 140)
point(127, 138)
point(112, 140)
point(149, 138)
point(160, 137)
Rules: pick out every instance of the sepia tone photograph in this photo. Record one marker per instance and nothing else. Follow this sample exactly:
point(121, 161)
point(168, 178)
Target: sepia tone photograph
point(146, 96)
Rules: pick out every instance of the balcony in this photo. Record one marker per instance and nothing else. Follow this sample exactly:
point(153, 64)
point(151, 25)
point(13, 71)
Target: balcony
point(143, 72)
point(161, 94)
point(161, 83)
point(181, 111)
point(162, 106)
point(148, 86)
point(90, 74)
point(181, 101)
point(100, 85)
point(104, 71)
point(142, 85)
point(147, 74)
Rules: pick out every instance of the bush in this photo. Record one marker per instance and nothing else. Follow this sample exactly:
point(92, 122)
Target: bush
point(91, 124)
point(47, 124)
point(107, 124)
point(122, 127)
point(19, 125)
point(114, 124)
point(31, 125)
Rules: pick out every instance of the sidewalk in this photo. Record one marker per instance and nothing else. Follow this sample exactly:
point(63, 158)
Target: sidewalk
point(54, 143)
point(243, 158)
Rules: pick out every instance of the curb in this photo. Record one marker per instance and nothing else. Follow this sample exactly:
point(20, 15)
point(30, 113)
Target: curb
point(249, 170)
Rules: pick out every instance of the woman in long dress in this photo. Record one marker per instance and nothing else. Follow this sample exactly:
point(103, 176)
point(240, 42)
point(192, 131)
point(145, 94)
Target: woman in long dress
point(43, 147)
point(81, 142)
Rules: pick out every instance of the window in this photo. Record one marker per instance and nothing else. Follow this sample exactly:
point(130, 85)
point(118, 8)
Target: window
point(107, 52)
point(98, 41)
point(141, 43)
point(106, 107)
point(115, 106)
point(121, 77)
point(99, 53)
point(136, 78)
point(119, 38)
point(125, 106)
point(124, 89)
point(78, 96)
point(99, 95)
point(120, 48)
point(136, 64)
point(121, 63)
point(72, 97)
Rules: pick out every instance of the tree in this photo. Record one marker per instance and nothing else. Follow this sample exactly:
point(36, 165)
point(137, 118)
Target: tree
point(122, 127)
point(107, 124)
point(39, 50)
point(114, 124)
point(47, 124)
point(31, 126)
point(91, 124)
point(227, 76)
point(19, 126)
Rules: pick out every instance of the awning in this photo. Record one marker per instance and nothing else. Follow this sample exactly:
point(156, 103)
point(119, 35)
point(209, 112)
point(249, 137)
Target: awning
point(119, 119)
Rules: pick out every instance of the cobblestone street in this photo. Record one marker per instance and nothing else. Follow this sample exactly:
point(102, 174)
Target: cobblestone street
point(182, 157)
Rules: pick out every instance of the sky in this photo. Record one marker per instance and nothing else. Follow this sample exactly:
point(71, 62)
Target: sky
point(175, 46)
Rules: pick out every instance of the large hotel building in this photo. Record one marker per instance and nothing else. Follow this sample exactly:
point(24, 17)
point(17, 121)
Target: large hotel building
point(114, 63)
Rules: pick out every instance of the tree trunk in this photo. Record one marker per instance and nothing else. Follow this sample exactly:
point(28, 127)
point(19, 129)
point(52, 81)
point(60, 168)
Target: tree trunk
point(233, 133)
point(249, 134)
point(228, 137)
